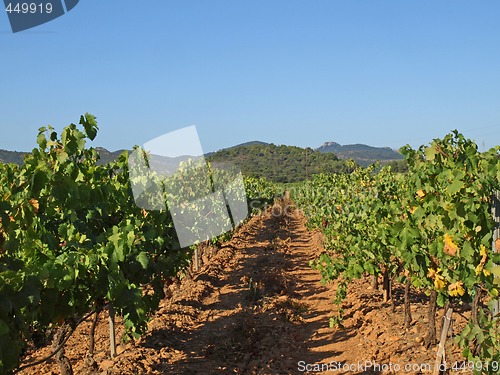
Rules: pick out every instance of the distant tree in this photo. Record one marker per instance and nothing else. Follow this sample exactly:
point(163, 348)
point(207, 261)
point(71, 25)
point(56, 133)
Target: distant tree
point(280, 163)
point(399, 166)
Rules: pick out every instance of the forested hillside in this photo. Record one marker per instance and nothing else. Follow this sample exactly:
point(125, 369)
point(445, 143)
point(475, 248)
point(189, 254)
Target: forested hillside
point(277, 163)
point(11, 157)
point(280, 163)
point(17, 157)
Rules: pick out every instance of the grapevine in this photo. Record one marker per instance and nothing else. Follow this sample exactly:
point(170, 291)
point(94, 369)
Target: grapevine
point(431, 228)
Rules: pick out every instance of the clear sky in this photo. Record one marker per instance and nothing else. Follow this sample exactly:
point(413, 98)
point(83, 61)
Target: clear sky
point(383, 73)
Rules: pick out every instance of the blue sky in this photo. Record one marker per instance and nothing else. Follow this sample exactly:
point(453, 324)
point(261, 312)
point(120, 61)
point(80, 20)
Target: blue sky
point(383, 73)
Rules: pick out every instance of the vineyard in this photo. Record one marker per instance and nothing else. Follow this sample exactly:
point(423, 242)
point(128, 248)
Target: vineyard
point(77, 254)
point(73, 242)
point(430, 230)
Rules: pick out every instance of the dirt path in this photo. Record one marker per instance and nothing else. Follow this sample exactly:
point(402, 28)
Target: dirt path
point(257, 307)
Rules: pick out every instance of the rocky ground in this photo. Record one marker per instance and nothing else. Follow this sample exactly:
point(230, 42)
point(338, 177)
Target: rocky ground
point(257, 307)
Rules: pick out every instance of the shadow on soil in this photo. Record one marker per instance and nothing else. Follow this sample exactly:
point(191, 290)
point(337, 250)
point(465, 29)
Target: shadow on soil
point(250, 321)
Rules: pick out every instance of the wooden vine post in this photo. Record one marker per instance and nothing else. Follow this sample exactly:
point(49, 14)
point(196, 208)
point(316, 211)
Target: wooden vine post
point(387, 292)
point(112, 334)
point(495, 210)
point(440, 358)
point(407, 308)
point(430, 339)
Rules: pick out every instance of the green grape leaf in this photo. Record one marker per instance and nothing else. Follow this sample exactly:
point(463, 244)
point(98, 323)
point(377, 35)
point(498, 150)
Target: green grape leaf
point(143, 259)
point(455, 187)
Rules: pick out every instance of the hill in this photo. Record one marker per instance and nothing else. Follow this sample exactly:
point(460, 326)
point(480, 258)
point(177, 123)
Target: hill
point(363, 154)
point(251, 143)
point(107, 156)
point(279, 163)
point(17, 157)
point(8, 157)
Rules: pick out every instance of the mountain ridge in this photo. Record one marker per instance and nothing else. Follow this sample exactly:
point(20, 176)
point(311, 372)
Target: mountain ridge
point(363, 154)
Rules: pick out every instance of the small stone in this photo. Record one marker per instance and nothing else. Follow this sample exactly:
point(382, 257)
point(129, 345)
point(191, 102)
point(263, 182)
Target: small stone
point(120, 349)
point(106, 364)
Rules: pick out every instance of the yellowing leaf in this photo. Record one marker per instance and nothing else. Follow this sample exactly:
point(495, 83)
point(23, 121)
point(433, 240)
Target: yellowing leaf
point(479, 268)
point(35, 204)
point(439, 282)
point(421, 193)
point(450, 247)
point(431, 273)
point(456, 289)
point(482, 250)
